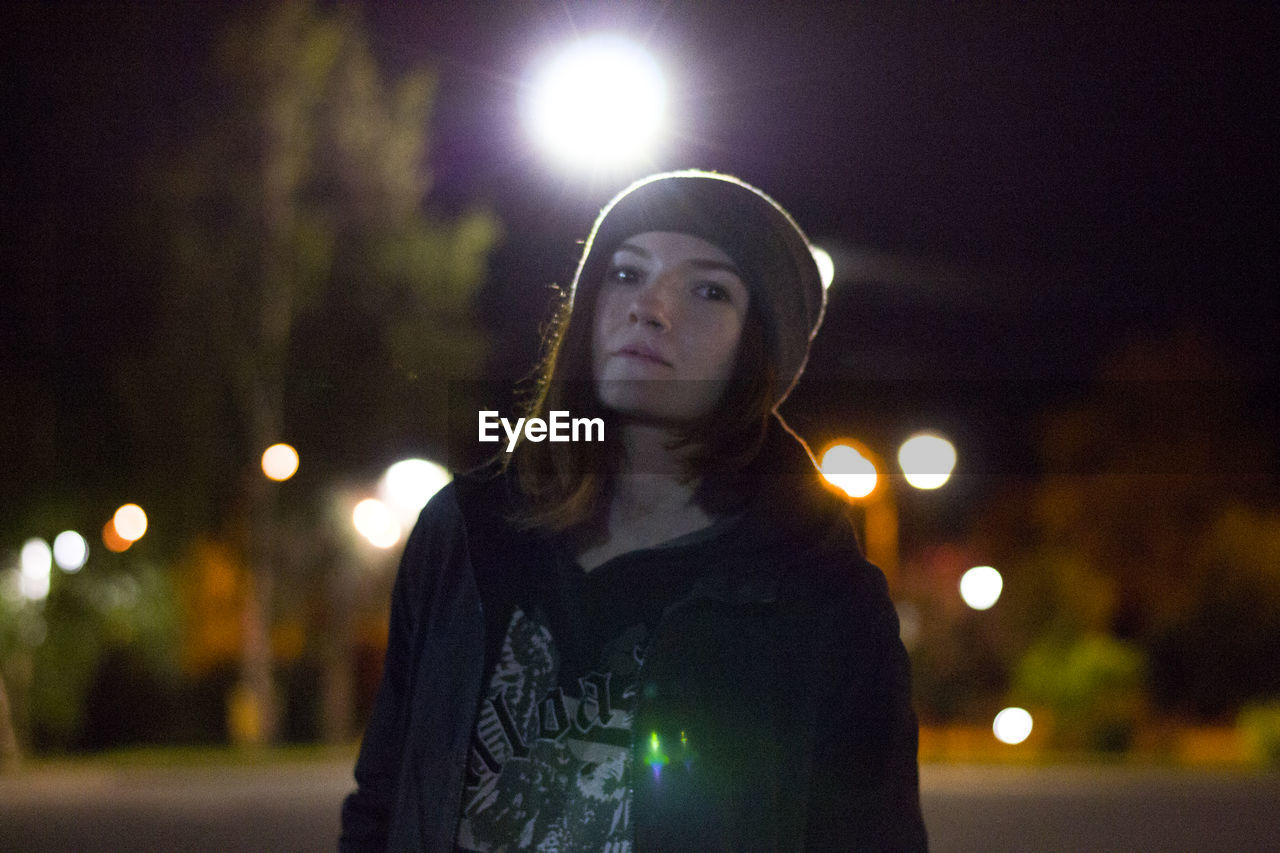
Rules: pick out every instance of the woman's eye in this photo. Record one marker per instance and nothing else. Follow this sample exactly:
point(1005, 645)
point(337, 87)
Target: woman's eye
point(711, 290)
point(623, 274)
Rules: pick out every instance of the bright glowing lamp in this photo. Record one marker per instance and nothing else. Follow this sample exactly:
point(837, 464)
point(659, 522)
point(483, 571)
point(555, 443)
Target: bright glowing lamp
point(847, 469)
point(1012, 725)
point(980, 587)
point(130, 522)
point(409, 484)
point(598, 104)
point(35, 568)
point(927, 460)
point(279, 462)
point(70, 551)
point(375, 521)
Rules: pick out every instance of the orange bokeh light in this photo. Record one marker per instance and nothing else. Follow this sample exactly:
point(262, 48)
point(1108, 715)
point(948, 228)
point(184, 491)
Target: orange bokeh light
point(113, 540)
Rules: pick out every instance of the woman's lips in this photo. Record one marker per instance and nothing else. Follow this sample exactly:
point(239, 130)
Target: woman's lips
point(642, 353)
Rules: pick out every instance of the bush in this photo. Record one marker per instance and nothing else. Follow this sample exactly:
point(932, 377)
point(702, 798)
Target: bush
point(1259, 727)
point(1091, 685)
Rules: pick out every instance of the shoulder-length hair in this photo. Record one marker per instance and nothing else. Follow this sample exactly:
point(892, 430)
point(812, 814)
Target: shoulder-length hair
point(566, 485)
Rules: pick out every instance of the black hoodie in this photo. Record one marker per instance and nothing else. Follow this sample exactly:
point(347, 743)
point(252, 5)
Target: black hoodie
point(778, 685)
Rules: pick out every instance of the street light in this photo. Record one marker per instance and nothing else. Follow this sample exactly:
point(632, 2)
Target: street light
point(70, 551)
point(130, 522)
point(1012, 725)
point(407, 485)
point(980, 587)
point(849, 468)
point(375, 521)
point(112, 540)
point(279, 462)
point(598, 104)
point(856, 470)
point(36, 569)
point(927, 461)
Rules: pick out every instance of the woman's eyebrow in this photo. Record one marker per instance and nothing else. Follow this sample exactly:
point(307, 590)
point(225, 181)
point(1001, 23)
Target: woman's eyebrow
point(708, 264)
point(634, 249)
point(699, 263)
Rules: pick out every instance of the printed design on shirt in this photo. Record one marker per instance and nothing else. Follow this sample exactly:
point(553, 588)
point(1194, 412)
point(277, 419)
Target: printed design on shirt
point(548, 766)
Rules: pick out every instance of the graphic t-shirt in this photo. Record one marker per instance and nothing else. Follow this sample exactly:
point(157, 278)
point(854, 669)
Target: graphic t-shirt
point(549, 766)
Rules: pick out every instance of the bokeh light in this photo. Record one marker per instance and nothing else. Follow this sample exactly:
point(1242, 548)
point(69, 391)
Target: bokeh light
point(375, 521)
point(35, 569)
point(130, 522)
point(846, 468)
point(1012, 725)
point(409, 484)
point(70, 551)
point(599, 103)
point(113, 541)
point(927, 460)
point(279, 462)
point(980, 587)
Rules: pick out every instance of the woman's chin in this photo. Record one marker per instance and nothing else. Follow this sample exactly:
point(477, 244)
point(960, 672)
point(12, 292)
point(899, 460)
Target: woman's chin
point(666, 402)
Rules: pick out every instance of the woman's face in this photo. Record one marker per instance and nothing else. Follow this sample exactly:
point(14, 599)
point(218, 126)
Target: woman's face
point(668, 319)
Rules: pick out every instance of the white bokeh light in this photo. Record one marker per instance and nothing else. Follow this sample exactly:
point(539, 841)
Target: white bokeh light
point(599, 103)
point(375, 521)
point(847, 469)
point(980, 587)
point(35, 569)
point(130, 522)
point(279, 462)
point(1012, 726)
point(409, 484)
point(927, 460)
point(70, 551)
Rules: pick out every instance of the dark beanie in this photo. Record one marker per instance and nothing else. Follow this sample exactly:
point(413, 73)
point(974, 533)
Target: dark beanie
point(762, 239)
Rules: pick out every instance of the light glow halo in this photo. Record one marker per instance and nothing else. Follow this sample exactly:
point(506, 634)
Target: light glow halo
point(600, 103)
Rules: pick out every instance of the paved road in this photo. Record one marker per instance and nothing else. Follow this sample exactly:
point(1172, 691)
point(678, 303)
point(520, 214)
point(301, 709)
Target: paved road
point(295, 808)
point(997, 809)
point(289, 807)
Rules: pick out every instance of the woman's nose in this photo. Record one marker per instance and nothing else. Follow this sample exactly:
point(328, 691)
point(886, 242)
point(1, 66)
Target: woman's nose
point(652, 303)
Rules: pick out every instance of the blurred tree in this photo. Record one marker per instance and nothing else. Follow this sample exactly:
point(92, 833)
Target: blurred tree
point(1134, 531)
point(51, 650)
point(306, 294)
point(1220, 650)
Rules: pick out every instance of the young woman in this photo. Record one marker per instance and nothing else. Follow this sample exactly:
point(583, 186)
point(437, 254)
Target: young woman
point(668, 639)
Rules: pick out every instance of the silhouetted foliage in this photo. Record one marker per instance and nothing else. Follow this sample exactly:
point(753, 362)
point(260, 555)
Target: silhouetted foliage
point(1149, 525)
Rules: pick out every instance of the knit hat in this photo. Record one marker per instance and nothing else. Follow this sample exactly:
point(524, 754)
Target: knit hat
point(762, 239)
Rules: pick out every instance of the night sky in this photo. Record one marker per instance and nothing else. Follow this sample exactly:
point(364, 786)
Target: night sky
point(1037, 183)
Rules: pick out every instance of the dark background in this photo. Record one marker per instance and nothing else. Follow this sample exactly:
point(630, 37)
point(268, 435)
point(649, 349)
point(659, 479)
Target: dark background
point(1035, 185)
